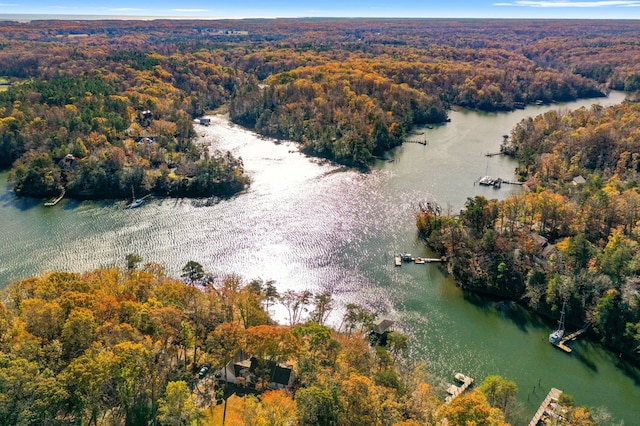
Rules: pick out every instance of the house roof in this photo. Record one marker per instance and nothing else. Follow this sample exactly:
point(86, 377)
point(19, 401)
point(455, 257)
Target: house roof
point(382, 326)
point(282, 374)
point(539, 240)
point(244, 364)
point(579, 180)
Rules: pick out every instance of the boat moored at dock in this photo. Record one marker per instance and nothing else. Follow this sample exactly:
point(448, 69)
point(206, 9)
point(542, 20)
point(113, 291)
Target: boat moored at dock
point(490, 181)
point(430, 207)
point(406, 257)
point(454, 391)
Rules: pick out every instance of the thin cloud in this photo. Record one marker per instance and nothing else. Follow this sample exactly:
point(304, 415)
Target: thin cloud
point(566, 3)
point(126, 9)
point(190, 10)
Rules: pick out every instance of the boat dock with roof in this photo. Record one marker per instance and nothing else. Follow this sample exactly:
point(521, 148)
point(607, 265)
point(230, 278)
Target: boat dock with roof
point(454, 390)
point(398, 259)
point(546, 408)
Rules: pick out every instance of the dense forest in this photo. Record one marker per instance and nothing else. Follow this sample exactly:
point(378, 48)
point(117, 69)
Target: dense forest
point(345, 89)
point(134, 346)
point(99, 109)
point(570, 238)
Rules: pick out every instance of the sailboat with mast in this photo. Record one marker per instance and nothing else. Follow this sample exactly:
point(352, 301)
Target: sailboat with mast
point(135, 202)
point(556, 337)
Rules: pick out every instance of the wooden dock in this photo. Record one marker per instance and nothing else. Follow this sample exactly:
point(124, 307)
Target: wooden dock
point(573, 336)
point(552, 396)
point(430, 207)
point(55, 200)
point(397, 260)
point(496, 182)
point(570, 338)
point(454, 390)
point(562, 346)
point(428, 259)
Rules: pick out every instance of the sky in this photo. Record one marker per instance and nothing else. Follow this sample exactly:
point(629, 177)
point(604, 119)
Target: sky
point(217, 9)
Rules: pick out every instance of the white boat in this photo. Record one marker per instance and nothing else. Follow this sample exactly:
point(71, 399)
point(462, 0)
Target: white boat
point(406, 257)
point(556, 337)
point(490, 181)
point(136, 202)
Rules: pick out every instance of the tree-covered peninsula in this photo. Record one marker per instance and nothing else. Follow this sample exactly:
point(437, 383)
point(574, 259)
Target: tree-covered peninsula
point(119, 97)
point(134, 346)
point(572, 236)
point(105, 134)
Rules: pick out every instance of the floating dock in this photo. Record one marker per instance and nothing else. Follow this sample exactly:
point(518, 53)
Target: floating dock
point(454, 390)
point(552, 397)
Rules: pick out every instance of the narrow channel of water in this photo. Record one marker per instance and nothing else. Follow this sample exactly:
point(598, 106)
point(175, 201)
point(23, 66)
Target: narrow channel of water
point(309, 224)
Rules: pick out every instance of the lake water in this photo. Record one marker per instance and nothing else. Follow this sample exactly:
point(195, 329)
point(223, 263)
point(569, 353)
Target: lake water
point(308, 224)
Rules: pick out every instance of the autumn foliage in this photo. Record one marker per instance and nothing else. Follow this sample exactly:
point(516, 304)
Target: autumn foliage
point(572, 236)
point(346, 89)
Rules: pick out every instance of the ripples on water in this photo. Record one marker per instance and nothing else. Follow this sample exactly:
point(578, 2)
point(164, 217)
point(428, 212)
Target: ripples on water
point(309, 224)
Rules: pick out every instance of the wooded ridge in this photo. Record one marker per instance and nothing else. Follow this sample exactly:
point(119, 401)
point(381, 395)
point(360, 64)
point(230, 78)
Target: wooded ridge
point(346, 89)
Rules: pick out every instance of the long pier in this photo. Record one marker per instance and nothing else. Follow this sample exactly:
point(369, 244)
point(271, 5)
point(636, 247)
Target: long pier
point(552, 396)
point(454, 390)
point(55, 201)
point(397, 260)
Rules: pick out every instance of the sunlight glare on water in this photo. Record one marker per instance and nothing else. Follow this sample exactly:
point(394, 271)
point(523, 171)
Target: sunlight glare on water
point(309, 224)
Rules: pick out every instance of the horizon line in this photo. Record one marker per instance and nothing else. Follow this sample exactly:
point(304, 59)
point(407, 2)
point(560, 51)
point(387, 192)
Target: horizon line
point(27, 17)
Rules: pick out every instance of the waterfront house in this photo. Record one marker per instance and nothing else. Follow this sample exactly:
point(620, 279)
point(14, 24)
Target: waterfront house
point(544, 249)
point(380, 331)
point(241, 370)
